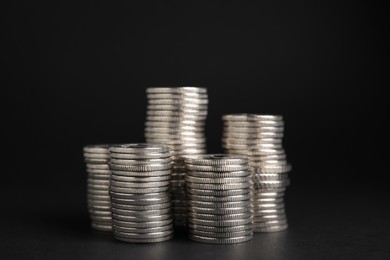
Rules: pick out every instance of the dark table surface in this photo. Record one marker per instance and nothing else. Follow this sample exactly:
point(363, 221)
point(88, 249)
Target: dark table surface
point(48, 220)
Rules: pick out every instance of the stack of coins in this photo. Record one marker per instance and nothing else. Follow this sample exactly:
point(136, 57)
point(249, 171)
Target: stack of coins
point(218, 197)
point(260, 138)
point(176, 118)
point(139, 189)
point(98, 199)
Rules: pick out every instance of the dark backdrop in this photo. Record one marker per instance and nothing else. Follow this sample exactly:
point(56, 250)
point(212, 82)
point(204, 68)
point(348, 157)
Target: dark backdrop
point(76, 75)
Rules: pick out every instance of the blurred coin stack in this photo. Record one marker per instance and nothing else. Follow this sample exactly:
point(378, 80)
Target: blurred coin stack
point(98, 199)
point(218, 197)
point(260, 138)
point(140, 196)
point(176, 118)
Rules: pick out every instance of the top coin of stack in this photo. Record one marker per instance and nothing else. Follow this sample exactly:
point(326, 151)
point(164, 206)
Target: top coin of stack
point(176, 118)
point(139, 189)
point(219, 199)
point(99, 206)
point(260, 138)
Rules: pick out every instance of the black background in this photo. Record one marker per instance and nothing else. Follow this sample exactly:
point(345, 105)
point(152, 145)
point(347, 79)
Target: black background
point(76, 74)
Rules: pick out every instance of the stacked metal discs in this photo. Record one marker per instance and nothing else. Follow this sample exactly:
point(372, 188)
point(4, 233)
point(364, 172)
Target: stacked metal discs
point(260, 138)
point(176, 118)
point(139, 189)
point(99, 206)
point(218, 197)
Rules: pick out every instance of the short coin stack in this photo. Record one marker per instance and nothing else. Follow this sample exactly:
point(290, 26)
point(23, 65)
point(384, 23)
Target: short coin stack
point(139, 189)
point(176, 118)
point(260, 138)
point(99, 206)
point(218, 197)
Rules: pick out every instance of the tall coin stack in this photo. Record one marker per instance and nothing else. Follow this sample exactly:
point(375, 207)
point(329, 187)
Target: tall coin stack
point(98, 199)
point(176, 118)
point(139, 189)
point(260, 138)
point(218, 197)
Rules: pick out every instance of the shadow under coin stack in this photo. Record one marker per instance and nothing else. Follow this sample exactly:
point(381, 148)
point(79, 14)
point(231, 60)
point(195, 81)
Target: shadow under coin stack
point(218, 197)
point(260, 138)
point(176, 118)
point(98, 199)
point(139, 189)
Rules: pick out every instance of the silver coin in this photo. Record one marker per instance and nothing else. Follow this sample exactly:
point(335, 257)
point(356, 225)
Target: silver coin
point(143, 236)
point(141, 213)
point(178, 135)
point(176, 90)
point(97, 148)
point(170, 124)
point(271, 211)
point(95, 212)
point(268, 223)
point(178, 102)
point(149, 201)
point(250, 142)
point(140, 168)
point(233, 174)
point(177, 95)
point(142, 230)
point(177, 112)
point(92, 191)
point(143, 241)
point(248, 232)
point(218, 205)
point(142, 207)
point(256, 152)
point(273, 168)
point(220, 211)
point(276, 200)
point(243, 197)
point(96, 161)
point(99, 172)
point(138, 190)
point(217, 180)
point(98, 197)
point(224, 168)
point(139, 148)
point(140, 196)
point(178, 143)
point(138, 185)
point(270, 192)
point(244, 215)
point(255, 146)
point(254, 129)
point(101, 227)
point(141, 179)
point(267, 217)
point(270, 177)
point(97, 155)
point(101, 219)
point(91, 187)
point(143, 219)
point(260, 206)
point(146, 224)
point(126, 161)
point(220, 223)
point(106, 202)
point(218, 187)
point(175, 118)
point(244, 117)
point(183, 106)
point(216, 160)
point(220, 229)
point(217, 193)
point(99, 207)
point(272, 184)
point(211, 240)
point(97, 167)
point(275, 228)
point(125, 173)
point(98, 182)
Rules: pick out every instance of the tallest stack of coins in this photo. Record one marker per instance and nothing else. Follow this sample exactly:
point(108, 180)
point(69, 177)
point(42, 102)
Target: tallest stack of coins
point(176, 118)
point(260, 138)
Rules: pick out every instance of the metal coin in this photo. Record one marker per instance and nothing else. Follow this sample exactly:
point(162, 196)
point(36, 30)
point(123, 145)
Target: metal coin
point(138, 190)
point(142, 207)
point(217, 180)
point(218, 187)
point(96, 148)
point(143, 236)
point(138, 148)
point(141, 213)
point(143, 230)
point(146, 185)
point(176, 90)
point(220, 229)
point(125, 173)
point(217, 193)
point(145, 224)
point(243, 197)
point(271, 228)
point(218, 205)
point(216, 160)
point(211, 240)
point(232, 174)
point(141, 196)
point(224, 168)
point(220, 211)
point(220, 217)
point(143, 241)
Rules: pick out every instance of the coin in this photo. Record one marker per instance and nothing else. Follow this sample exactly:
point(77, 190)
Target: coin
point(231, 240)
